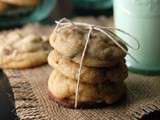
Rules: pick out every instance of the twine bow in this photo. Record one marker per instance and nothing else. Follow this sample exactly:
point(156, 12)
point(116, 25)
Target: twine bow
point(63, 23)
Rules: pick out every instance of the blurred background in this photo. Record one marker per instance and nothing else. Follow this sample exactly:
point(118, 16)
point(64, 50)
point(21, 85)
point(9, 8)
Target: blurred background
point(46, 11)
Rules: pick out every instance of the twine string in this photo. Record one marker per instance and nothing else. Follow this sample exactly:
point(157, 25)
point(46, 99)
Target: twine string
point(127, 34)
point(108, 29)
point(117, 43)
point(64, 23)
point(60, 23)
point(81, 64)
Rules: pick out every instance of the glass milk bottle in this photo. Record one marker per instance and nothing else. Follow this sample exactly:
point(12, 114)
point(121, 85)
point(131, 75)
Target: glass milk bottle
point(140, 18)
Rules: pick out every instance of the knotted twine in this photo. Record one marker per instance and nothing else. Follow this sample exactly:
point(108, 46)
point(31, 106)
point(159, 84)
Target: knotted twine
point(64, 23)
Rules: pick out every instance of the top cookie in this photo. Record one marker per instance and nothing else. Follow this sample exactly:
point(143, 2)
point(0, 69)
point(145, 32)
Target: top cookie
point(101, 50)
point(22, 2)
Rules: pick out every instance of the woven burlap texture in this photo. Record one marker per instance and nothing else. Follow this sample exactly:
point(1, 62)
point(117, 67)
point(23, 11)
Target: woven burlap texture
point(32, 101)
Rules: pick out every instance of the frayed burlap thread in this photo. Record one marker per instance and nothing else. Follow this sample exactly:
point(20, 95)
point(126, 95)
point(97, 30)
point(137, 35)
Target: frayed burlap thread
point(26, 103)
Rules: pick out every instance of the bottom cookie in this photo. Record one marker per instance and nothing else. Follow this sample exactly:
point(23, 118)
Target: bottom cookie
point(62, 90)
point(82, 105)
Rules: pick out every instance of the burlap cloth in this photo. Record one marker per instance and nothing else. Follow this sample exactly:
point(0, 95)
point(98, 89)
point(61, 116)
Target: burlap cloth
point(32, 102)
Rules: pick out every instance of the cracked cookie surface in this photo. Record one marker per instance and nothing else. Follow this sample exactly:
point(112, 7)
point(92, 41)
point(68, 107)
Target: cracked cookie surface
point(63, 89)
point(20, 50)
point(101, 50)
point(90, 75)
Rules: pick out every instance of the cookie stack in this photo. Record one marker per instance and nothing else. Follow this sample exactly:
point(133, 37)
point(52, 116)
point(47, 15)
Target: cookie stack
point(102, 75)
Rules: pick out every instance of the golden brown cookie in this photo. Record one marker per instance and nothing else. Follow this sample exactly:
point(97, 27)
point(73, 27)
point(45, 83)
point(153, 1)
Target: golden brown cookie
point(22, 2)
point(3, 7)
point(81, 105)
point(88, 74)
point(62, 89)
point(22, 51)
point(101, 51)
